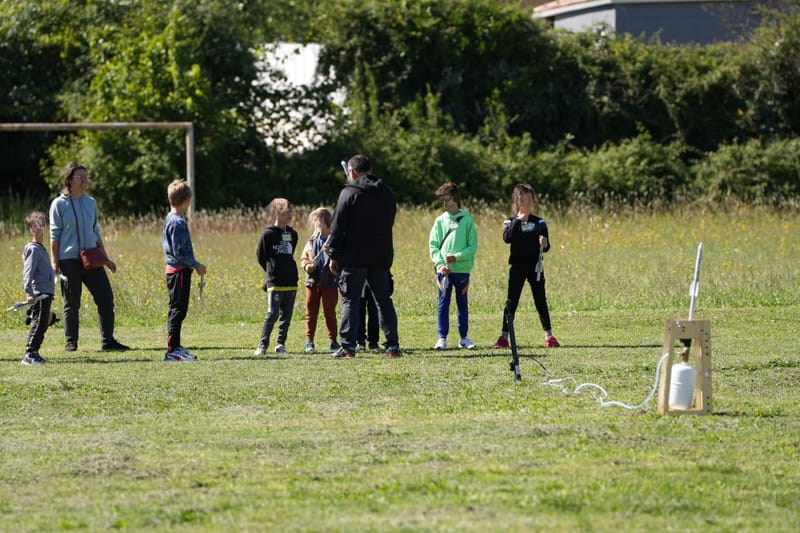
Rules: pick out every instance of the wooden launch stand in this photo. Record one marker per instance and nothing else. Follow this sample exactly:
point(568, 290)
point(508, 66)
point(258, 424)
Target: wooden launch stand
point(699, 332)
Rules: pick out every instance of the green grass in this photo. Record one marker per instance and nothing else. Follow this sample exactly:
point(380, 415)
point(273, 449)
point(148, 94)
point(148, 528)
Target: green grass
point(432, 441)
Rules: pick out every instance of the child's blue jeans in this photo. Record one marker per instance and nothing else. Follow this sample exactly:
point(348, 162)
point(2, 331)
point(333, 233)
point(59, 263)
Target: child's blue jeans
point(447, 284)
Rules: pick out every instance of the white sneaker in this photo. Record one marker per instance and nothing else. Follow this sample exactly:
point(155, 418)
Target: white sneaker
point(466, 343)
point(441, 344)
point(175, 357)
point(260, 350)
point(280, 348)
point(189, 356)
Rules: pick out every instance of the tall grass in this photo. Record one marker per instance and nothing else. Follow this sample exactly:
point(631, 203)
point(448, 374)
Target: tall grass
point(599, 261)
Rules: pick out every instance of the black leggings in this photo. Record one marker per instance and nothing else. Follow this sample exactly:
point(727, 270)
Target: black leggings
point(517, 276)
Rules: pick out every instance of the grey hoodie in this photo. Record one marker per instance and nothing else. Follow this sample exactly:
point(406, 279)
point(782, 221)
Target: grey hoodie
point(37, 273)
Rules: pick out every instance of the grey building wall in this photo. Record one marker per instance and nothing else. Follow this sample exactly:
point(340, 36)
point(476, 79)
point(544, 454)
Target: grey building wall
point(674, 22)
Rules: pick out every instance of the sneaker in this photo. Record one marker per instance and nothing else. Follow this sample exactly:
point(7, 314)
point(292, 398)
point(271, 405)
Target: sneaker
point(333, 346)
point(551, 342)
point(71, 346)
point(280, 348)
point(466, 343)
point(342, 353)
point(260, 350)
point(360, 347)
point(115, 346)
point(441, 344)
point(32, 359)
point(502, 342)
point(309, 347)
point(189, 356)
point(393, 352)
point(374, 347)
point(175, 357)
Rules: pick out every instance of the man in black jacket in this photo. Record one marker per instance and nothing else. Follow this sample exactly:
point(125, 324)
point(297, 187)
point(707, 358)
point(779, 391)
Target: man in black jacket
point(361, 251)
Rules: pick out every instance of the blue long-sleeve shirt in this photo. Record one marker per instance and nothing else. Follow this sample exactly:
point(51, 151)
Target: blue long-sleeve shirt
point(64, 226)
point(177, 243)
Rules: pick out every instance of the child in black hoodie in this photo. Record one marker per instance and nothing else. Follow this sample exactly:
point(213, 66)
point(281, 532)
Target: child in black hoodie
point(275, 253)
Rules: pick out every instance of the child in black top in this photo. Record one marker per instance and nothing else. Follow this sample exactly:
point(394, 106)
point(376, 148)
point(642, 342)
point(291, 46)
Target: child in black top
point(39, 282)
point(529, 239)
point(275, 254)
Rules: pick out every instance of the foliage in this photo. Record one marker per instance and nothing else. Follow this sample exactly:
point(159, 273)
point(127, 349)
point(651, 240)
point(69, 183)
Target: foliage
point(752, 172)
point(470, 91)
point(771, 75)
point(633, 171)
point(183, 61)
point(34, 70)
point(159, 62)
point(456, 49)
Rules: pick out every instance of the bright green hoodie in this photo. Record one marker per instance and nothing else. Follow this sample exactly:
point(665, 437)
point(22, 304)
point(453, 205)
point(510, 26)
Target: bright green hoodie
point(462, 241)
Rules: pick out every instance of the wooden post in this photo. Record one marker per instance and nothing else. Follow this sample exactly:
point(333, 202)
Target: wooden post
point(699, 332)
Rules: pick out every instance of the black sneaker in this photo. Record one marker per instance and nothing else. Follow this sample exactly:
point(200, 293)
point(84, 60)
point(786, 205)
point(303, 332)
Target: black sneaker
point(71, 346)
point(115, 346)
point(342, 353)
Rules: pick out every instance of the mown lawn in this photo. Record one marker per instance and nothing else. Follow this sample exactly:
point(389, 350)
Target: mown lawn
point(432, 441)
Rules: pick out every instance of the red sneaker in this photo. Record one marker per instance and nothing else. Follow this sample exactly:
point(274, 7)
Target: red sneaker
point(551, 342)
point(393, 353)
point(502, 342)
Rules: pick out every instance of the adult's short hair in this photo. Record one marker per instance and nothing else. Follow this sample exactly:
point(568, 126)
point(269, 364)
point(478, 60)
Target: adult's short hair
point(178, 192)
point(360, 163)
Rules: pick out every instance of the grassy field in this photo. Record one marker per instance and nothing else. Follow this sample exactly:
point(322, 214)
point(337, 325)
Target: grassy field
point(435, 440)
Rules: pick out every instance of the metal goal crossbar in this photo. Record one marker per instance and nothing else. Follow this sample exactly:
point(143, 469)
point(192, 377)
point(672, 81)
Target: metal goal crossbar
point(69, 126)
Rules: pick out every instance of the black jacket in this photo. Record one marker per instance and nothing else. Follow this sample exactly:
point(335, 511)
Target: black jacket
point(524, 239)
point(361, 232)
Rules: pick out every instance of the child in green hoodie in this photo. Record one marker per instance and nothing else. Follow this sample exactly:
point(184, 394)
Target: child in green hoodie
point(453, 243)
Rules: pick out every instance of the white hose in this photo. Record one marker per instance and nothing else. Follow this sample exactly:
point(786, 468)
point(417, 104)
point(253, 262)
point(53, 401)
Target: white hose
point(562, 384)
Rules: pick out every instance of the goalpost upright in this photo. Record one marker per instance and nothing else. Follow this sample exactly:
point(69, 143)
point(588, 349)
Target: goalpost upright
point(69, 126)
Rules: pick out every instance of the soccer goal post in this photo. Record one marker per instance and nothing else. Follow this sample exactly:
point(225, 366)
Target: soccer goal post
point(70, 126)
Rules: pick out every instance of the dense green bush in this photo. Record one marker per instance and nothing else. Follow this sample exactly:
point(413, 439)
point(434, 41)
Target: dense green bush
point(637, 170)
point(752, 172)
point(472, 91)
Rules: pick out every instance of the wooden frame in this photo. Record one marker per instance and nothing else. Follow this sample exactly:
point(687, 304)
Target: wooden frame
point(699, 332)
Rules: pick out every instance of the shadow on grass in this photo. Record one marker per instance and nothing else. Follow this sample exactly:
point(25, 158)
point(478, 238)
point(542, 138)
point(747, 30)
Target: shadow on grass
point(253, 358)
point(453, 354)
point(101, 360)
point(619, 346)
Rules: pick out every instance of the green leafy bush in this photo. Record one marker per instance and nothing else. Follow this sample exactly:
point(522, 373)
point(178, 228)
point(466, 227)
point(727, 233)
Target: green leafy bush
point(752, 172)
point(637, 170)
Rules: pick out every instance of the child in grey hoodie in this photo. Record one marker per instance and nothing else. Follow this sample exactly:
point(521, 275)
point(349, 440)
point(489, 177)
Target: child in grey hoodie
point(39, 282)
